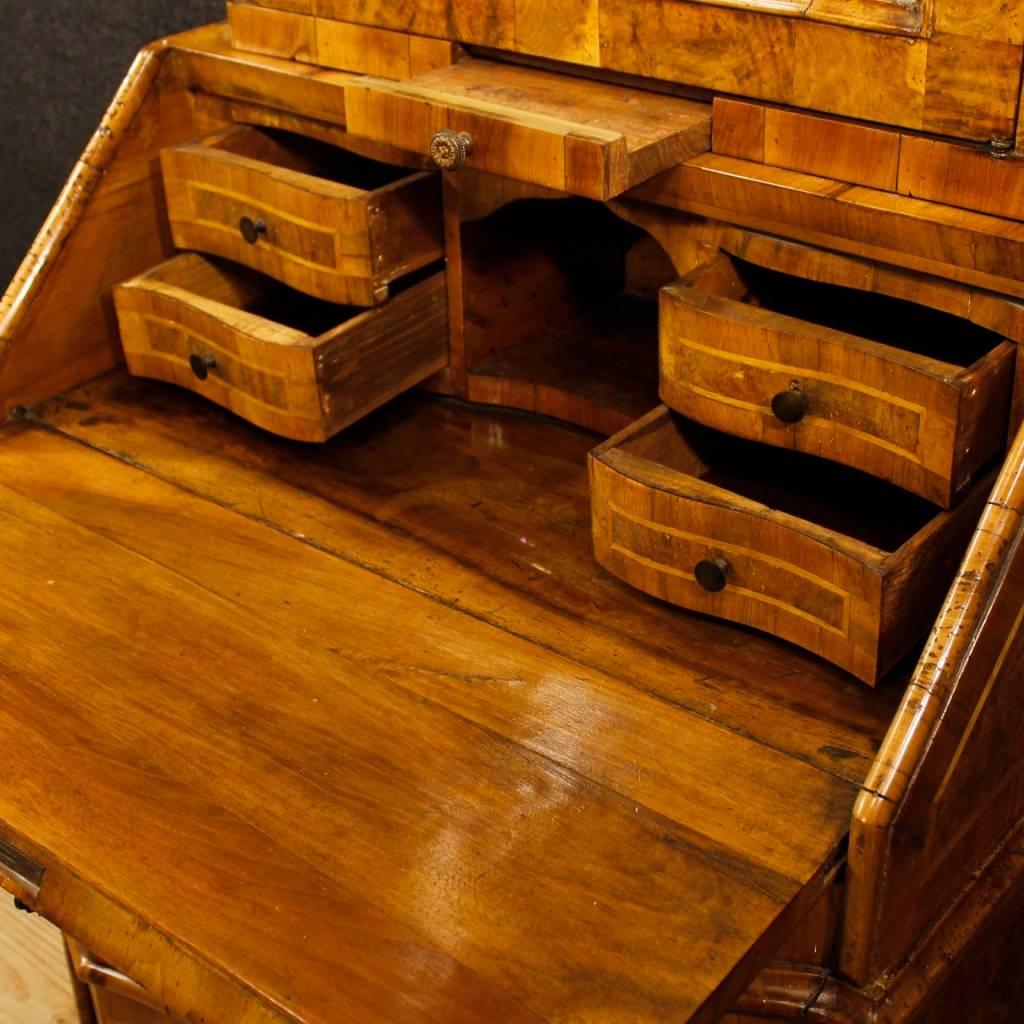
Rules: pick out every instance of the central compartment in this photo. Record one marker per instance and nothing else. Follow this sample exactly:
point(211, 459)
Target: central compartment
point(561, 312)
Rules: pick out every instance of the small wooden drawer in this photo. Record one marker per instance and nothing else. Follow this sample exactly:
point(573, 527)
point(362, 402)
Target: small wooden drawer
point(906, 393)
point(574, 135)
point(838, 562)
point(328, 222)
point(291, 364)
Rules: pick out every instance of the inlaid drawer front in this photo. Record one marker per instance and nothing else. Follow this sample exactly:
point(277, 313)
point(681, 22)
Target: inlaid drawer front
point(840, 563)
point(908, 394)
point(291, 364)
point(575, 135)
point(328, 222)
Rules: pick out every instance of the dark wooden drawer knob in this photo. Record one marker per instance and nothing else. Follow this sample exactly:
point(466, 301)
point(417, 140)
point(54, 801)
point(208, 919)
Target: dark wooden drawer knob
point(712, 574)
point(202, 365)
point(449, 149)
point(790, 406)
point(252, 230)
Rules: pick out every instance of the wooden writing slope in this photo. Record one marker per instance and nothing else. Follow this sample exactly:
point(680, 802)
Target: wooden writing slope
point(512, 513)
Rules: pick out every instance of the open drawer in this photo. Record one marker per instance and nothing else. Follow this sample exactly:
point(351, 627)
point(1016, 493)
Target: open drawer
point(909, 394)
point(291, 364)
point(572, 134)
point(326, 221)
point(840, 563)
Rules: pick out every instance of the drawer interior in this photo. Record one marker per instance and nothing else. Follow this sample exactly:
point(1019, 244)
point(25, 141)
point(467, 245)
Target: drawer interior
point(827, 494)
point(309, 156)
point(899, 323)
point(248, 291)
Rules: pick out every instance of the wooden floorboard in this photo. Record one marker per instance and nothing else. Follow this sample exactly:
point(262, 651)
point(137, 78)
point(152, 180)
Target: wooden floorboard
point(34, 983)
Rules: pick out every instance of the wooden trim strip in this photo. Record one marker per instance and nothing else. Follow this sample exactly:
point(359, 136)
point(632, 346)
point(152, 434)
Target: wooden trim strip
point(941, 678)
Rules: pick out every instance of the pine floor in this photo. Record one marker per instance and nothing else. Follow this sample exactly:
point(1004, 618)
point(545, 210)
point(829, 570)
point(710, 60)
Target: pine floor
point(34, 986)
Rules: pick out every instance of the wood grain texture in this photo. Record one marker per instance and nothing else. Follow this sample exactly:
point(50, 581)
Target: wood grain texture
point(974, 248)
point(954, 174)
point(396, 751)
point(667, 497)
point(586, 614)
point(335, 225)
point(575, 135)
point(944, 67)
point(923, 417)
point(336, 44)
point(35, 985)
point(204, 59)
point(276, 33)
point(303, 382)
point(925, 820)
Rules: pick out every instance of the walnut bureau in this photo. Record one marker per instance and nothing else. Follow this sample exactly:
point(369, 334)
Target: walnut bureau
point(513, 512)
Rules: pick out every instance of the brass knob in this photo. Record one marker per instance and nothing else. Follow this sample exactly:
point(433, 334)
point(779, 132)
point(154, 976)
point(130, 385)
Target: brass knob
point(790, 406)
point(712, 574)
point(449, 149)
point(202, 365)
point(252, 230)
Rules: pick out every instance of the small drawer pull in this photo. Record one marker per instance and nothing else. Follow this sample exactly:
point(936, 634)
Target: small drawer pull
point(712, 574)
point(252, 230)
point(449, 149)
point(790, 406)
point(202, 365)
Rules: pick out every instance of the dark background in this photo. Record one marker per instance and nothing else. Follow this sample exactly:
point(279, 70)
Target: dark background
point(62, 63)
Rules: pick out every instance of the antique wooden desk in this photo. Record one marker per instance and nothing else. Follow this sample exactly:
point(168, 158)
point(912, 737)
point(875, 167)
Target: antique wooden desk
point(351, 673)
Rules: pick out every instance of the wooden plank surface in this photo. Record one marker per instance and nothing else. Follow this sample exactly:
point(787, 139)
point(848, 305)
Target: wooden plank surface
point(451, 790)
point(35, 986)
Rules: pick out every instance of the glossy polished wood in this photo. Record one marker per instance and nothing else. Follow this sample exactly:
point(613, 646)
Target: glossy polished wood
point(360, 731)
point(432, 760)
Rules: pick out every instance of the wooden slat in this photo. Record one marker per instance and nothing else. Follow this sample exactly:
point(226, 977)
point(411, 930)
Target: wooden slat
point(204, 59)
point(335, 44)
point(962, 176)
point(974, 248)
point(34, 981)
point(815, 145)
